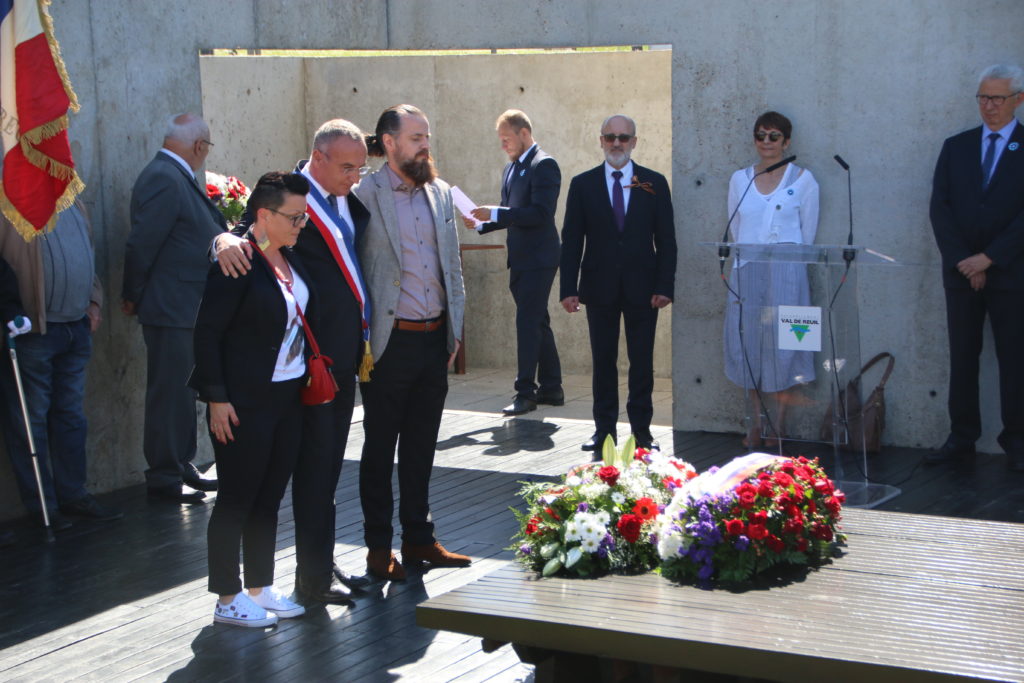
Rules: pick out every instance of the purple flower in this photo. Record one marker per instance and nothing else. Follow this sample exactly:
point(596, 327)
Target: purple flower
point(713, 469)
point(741, 544)
point(602, 552)
point(706, 572)
point(525, 549)
point(582, 507)
point(661, 508)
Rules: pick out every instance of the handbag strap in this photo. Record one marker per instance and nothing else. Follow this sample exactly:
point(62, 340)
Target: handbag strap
point(314, 347)
point(888, 368)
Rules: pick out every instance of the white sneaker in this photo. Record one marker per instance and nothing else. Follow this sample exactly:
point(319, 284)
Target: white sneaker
point(242, 611)
point(271, 599)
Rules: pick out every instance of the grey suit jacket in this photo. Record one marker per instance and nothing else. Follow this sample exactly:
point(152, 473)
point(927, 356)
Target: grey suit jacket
point(380, 256)
point(166, 259)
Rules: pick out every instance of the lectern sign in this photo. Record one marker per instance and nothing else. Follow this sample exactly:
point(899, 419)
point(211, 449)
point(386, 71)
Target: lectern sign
point(799, 328)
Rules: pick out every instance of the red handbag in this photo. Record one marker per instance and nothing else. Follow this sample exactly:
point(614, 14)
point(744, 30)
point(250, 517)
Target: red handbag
point(320, 383)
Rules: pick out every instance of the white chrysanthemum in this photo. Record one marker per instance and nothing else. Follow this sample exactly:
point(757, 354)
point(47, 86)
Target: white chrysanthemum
point(594, 490)
point(590, 544)
point(669, 544)
point(604, 518)
point(573, 481)
point(572, 530)
point(618, 498)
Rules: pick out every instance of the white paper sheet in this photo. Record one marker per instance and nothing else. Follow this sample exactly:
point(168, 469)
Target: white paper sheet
point(464, 204)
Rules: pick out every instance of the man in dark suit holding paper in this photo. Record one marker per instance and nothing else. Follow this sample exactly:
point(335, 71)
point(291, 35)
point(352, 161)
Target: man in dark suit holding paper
point(165, 266)
point(977, 214)
point(619, 260)
point(531, 182)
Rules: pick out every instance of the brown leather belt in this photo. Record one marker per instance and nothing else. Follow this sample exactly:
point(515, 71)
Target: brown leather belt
point(419, 325)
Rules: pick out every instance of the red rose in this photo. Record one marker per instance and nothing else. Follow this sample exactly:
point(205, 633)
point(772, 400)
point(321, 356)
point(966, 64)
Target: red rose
point(788, 467)
point(531, 526)
point(747, 499)
point(765, 489)
point(783, 500)
point(840, 496)
point(629, 527)
point(793, 527)
point(775, 543)
point(783, 479)
point(609, 475)
point(735, 527)
point(804, 473)
point(823, 486)
point(833, 506)
point(645, 509)
point(764, 475)
point(553, 514)
point(821, 531)
point(801, 545)
point(759, 517)
point(802, 460)
point(811, 508)
point(798, 493)
point(757, 531)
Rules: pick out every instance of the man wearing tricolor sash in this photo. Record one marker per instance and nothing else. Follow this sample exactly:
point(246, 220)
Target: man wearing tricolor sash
point(327, 247)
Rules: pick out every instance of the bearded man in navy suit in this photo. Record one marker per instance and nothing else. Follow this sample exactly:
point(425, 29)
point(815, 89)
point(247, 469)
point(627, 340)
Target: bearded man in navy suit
point(977, 214)
point(530, 185)
point(619, 260)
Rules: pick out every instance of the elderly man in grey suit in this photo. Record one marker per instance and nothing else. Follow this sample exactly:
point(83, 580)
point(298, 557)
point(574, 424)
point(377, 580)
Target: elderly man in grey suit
point(410, 260)
point(165, 266)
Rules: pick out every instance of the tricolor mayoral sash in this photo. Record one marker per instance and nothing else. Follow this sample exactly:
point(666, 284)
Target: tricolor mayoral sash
point(330, 223)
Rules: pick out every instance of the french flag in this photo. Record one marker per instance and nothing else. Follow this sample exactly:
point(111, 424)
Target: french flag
point(39, 178)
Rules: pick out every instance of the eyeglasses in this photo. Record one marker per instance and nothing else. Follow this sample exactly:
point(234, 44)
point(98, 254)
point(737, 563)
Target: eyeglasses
point(612, 137)
point(774, 136)
point(348, 169)
point(207, 142)
point(298, 220)
point(997, 100)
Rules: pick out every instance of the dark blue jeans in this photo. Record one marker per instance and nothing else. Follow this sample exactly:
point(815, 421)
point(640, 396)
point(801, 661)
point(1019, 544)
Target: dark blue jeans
point(53, 375)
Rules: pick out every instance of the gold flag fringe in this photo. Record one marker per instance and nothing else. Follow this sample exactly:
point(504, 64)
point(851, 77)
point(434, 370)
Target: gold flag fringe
point(28, 231)
point(47, 22)
point(366, 366)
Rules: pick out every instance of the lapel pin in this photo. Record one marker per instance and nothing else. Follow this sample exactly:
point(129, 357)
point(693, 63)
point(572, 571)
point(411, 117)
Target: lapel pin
point(790, 191)
point(1013, 146)
point(522, 173)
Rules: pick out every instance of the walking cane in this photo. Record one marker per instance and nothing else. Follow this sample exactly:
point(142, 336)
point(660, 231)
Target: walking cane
point(28, 431)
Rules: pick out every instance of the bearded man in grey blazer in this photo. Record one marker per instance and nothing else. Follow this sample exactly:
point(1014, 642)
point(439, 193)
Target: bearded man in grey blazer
point(409, 256)
point(165, 266)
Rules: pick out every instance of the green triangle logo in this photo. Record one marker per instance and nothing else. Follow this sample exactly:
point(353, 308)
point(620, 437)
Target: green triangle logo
point(800, 331)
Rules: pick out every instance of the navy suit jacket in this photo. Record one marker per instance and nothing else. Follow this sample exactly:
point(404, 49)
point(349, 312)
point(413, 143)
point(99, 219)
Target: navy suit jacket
point(967, 219)
point(531, 197)
point(602, 265)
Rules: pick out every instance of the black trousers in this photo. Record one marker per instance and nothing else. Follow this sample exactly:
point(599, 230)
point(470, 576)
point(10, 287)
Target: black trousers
point(640, 323)
point(535, 343)
point(324, 436)
point(252, 474)
point(965, 321)
point(169, 431)
point(402, 404)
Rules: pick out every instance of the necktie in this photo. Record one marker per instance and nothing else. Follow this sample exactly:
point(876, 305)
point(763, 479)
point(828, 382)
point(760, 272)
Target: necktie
point(989, 161)
point(618, 202)
point(333, 201)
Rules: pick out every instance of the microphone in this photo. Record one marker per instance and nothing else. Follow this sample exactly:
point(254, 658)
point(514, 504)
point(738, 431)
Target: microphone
point(849, 253)
point(723, 251)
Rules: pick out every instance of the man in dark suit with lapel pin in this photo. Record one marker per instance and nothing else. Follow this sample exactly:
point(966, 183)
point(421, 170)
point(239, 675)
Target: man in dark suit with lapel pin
point(165, 266)
point(529, 194)
point(335, 165)
point(977, 214)
point(619, 260)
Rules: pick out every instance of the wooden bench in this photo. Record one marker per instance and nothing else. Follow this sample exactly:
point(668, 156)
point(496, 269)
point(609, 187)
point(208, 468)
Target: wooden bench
point(914, 598)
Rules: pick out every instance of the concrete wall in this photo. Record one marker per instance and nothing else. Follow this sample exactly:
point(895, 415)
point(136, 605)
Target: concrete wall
point(461, 95)
point(880, 82)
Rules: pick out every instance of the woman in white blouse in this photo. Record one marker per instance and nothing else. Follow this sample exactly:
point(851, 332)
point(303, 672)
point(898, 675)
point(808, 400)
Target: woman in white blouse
point(780, 208)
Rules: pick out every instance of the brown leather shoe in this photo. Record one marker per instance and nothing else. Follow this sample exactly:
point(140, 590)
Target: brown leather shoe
point(383, 564)
point(435, 554)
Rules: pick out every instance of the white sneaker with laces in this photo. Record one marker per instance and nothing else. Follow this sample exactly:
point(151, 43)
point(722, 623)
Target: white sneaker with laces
point(271, 599)
point(242, 611)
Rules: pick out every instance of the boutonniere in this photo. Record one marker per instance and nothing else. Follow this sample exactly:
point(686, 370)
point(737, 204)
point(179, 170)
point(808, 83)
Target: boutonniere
point(645, 186)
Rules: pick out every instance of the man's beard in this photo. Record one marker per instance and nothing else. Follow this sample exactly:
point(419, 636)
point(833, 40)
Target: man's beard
point(421, 171)
point(617, 159)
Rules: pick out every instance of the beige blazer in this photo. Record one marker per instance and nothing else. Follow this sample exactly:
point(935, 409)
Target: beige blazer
point(380, 256)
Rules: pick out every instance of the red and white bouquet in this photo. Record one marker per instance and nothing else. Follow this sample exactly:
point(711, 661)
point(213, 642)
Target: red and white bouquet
point(229, 194)
point(600, 516)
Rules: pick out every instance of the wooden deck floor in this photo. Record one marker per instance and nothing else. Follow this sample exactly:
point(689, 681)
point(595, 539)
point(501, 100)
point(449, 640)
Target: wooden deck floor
point(127, 600)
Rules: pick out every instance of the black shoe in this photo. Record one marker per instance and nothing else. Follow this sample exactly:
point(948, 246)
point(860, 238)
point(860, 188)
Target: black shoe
point(175, 494)
point(551, 398)
point(353, 582)
point(645, 440)
point(520, 406)
point(193, 478)
point(596, 442)
point(332, 593)
point(950, 452)
point(89, 507)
